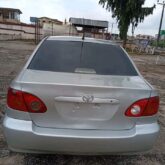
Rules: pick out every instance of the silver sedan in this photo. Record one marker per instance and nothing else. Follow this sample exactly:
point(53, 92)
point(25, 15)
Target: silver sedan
point(80, 96)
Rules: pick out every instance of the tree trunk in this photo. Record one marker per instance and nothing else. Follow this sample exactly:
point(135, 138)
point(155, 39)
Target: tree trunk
point(123, 33)
point(133, 29)
point(124, 39)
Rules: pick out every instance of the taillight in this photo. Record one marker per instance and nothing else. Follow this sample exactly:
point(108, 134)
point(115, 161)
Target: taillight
point(15, 100)
point(34, 104)
point(144, 107)
point(25, 102)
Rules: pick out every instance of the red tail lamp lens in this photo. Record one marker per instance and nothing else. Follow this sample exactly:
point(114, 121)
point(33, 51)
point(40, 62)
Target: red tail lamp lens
point(144, 107)
point(34, 104)
point(26, 102)
point(15, 100)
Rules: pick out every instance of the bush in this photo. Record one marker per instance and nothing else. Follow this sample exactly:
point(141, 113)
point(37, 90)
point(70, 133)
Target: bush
point(161, 44)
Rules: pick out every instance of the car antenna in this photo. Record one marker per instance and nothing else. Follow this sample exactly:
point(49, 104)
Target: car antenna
point(83, 37)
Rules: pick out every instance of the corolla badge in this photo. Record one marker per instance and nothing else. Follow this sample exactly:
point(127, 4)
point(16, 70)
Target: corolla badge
point(88, 99)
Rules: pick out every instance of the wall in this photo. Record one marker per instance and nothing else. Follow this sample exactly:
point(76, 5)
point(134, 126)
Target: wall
point(57, 30)
point(23, 30)
point(9, 20)
point(6, 37)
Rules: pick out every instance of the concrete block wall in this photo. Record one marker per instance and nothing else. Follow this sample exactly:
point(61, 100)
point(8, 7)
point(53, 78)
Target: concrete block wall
point(19, 31)
point(5, 37)
point(58, 30)
point(25, 31)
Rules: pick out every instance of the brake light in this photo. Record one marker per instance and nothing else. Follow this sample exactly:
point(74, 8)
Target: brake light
point(25, 102)
point(34, 104)
point(15, 100)
point(144, 107)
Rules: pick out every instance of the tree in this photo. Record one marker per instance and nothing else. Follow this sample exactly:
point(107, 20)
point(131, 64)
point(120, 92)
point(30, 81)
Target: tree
point(127, 12)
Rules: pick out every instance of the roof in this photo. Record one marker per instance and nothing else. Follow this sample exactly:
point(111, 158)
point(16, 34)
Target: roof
point(75, 38)
point(88, 22)
point(10, 9)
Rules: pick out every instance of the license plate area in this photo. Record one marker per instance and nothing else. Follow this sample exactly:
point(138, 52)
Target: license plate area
point(79, 109)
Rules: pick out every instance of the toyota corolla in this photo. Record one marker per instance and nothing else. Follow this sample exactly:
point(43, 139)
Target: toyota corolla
point(81, 96)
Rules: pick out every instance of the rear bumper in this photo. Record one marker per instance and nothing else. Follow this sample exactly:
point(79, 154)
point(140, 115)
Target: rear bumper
point(24, 136)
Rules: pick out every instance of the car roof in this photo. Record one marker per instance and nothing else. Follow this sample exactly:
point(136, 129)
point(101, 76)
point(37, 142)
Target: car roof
point(75, 38)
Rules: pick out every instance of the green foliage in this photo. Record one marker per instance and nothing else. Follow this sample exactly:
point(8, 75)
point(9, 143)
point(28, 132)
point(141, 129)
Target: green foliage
point(161, 44)
point(127, 12)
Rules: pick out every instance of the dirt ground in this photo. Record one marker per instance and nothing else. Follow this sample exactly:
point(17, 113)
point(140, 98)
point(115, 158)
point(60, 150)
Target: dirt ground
point(13, 55)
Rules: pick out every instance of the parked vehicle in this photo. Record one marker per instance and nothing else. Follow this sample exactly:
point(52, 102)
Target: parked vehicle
point(80, 96)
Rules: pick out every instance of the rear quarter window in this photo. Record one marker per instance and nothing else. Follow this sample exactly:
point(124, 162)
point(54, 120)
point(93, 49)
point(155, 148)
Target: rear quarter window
point(67, 56)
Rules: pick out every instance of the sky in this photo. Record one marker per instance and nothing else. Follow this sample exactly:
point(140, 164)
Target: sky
point(61, 9)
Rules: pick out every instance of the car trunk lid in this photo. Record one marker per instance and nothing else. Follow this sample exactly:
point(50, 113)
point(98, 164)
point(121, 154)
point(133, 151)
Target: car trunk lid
point(83, 101)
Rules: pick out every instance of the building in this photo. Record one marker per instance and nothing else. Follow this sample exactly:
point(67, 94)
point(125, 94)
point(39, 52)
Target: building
point(147, 37)
point(90, 28)
point(47, 20)
point(54, 27)
point(12, 28)
point(10, 15)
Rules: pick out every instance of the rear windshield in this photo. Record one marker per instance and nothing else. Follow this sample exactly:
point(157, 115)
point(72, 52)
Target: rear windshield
point(82, 57)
